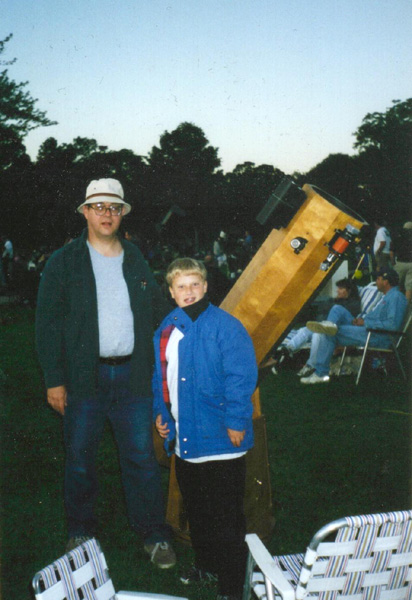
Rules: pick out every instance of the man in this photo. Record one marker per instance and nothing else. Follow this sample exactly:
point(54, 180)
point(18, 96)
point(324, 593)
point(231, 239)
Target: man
point(347, 296)
point(97, 306)
point(343, 330)
point(381, 245)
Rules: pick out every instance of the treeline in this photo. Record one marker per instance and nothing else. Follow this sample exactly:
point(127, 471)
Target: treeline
point(179, 188)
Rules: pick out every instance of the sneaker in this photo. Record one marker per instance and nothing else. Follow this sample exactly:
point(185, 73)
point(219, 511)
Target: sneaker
point(282, 353)
point(75, 541)
point(326, 327)
point(314, 378)
point(161, 554)
point(195, 575)
point(305, 371)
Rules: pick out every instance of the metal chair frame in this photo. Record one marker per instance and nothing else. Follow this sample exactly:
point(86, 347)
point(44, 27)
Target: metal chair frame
point(82, 574)
point(353, 558)
point(395, 339)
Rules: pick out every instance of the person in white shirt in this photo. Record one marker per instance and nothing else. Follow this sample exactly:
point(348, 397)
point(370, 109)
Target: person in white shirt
point(382, 245)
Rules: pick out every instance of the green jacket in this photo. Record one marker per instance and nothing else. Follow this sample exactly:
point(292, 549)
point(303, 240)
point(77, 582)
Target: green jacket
point(67, 334)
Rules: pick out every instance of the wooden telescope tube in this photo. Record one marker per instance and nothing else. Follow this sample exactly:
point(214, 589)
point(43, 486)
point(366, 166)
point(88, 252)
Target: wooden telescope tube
point(285, 273)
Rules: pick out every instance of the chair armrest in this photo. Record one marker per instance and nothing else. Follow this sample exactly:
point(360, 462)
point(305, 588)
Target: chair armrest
point(266, 564)
point(146, 596)
point(387, 331)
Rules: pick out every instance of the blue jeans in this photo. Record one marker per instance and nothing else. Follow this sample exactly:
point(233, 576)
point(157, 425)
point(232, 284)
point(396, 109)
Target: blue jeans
point(301, 337)
point(131, 419)
point(347, 335)
point(337, 314)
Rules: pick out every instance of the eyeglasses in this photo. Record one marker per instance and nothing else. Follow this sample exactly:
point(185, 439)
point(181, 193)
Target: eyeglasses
point(101, 209)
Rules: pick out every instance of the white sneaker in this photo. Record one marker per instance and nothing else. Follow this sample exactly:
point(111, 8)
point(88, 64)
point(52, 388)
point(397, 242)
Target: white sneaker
point(315, 378)
point(305, 371)
point(162, 554)
point(326, 327)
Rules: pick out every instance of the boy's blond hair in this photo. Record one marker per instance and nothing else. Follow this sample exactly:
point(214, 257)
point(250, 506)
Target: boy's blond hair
point(185, 266)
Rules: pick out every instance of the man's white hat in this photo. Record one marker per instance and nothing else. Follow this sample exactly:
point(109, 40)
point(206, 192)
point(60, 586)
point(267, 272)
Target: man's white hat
point(105, 190)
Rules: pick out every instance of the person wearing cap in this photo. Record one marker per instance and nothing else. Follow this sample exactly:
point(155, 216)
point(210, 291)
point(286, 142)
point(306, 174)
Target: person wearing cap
point(401, 254)
point(347, 331)
point(98, 305)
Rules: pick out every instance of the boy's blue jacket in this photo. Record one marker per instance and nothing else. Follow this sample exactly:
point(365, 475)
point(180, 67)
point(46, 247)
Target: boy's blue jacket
point(217, 376)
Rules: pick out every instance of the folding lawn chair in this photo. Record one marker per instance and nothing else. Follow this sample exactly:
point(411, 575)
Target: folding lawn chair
point(82, 574)
point(395, 338)
point(355, 558)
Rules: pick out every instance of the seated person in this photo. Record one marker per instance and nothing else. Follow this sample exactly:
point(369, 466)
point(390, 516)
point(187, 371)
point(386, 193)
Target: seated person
point(347, 295)
point(341, 329)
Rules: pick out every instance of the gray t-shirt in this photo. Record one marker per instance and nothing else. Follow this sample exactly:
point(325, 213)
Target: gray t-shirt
point(115, 317)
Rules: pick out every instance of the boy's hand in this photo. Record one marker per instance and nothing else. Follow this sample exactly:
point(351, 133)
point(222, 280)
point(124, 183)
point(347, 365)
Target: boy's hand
point(236, 437)
point(162, 430)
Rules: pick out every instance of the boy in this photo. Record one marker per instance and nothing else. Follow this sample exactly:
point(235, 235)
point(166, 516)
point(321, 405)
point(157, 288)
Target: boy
point(205, 374)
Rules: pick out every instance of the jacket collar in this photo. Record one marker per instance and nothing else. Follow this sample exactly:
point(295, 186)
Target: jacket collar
point(181, 320)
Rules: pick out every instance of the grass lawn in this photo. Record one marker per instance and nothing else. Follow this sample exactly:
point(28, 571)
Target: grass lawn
point(334, 450)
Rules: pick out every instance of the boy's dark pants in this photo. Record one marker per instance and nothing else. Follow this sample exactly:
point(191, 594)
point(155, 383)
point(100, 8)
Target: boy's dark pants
point(213, 494)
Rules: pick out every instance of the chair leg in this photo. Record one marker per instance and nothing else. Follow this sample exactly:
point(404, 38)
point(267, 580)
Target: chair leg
point(363, 358)
point(398, 358)
point(341, 360)
point(247, 588)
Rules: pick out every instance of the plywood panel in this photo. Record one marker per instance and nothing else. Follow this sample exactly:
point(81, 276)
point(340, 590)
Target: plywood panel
point(277, 283)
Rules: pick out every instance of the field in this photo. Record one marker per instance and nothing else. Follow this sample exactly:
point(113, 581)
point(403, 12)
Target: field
point(334, 450)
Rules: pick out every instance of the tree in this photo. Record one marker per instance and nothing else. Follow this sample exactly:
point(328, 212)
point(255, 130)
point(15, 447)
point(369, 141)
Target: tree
point(18, 113)
point(338, 175)
point(61, 175)
point(183, 165)
point(384, 141)
point(182, 171)
point(384, 131)
point(18, 116)
point(248, 188)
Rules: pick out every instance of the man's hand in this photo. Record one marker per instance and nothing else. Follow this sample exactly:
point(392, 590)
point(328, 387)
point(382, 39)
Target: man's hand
point(359, 322)
point(162, 429)
point(57, 398)
point(236, 437)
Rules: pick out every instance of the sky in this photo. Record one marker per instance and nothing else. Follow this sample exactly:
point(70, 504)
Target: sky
point(280, 82)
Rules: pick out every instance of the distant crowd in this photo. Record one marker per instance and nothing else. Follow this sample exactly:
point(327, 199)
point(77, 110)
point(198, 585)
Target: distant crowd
point(225, 258)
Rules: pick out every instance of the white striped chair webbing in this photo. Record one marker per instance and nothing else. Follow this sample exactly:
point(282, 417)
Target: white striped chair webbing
point(396, 525)
point(374, 569)
point(371, 559)
point(61, 571)
point(94, 555)
point(64, 569)
point(290, 565)
point(49, 576)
